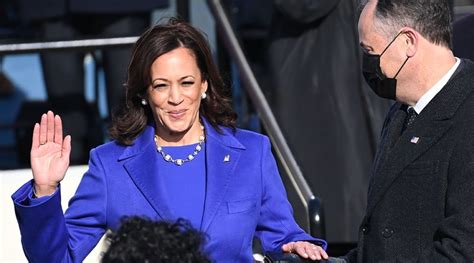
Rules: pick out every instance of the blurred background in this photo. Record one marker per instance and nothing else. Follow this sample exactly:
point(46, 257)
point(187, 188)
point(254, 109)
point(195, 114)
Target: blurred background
point(304, 56)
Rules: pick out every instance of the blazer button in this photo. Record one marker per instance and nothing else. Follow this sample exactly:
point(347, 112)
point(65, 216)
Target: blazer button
point(387, 232)
point(365, 229)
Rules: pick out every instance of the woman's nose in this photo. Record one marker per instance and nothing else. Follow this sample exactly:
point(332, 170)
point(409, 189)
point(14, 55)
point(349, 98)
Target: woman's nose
point(175, 95)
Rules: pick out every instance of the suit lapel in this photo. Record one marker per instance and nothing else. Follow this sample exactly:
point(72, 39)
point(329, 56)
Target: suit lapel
point(430, 126)
point(403, 153)
point(141, 165)
point(221, 160)
point(389, 137)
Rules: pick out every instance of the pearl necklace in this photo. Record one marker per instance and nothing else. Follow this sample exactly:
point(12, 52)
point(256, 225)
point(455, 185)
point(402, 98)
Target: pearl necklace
point(190, 157)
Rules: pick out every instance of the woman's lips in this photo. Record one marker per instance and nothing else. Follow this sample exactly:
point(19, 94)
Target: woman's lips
point(177, 114)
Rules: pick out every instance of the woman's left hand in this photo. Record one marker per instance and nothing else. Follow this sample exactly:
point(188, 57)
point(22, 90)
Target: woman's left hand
point(306, 250)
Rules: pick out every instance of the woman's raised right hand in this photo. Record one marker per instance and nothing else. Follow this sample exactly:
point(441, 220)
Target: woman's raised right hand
point(49, 154)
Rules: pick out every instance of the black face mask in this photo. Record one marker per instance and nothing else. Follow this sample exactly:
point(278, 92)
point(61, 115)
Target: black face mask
point(382, 86)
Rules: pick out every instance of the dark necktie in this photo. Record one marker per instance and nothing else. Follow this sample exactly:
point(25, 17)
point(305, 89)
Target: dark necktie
point(410, 118)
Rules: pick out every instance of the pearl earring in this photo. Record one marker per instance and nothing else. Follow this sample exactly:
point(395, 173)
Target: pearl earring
point(203, 95)
point(144, 103)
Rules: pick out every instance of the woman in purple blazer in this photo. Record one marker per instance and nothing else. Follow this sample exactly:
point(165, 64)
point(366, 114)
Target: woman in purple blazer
point(176, 154)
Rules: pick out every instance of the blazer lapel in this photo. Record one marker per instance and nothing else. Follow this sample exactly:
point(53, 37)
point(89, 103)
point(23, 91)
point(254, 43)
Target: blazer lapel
point(141, 165)
point(221, 160)
point(432, 123)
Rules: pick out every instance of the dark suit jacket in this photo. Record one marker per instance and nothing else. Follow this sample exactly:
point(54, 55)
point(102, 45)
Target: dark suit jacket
point(421, 196)
point(43, 9)
point(244, 198)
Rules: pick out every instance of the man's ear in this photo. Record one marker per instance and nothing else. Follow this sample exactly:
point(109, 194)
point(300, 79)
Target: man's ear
point(411, 38)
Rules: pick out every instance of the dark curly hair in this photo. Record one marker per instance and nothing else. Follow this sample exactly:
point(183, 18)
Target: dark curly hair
point(143, 240)
point(156, 41)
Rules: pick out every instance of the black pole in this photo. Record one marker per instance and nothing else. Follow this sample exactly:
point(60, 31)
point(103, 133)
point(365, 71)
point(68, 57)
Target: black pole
point(317, 225)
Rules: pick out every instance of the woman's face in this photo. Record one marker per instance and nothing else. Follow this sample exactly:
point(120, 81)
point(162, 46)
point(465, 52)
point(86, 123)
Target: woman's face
point(175, 91)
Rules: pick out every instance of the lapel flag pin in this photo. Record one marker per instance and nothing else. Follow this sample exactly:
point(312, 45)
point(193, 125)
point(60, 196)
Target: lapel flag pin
point(226, 158)
point(415, 140)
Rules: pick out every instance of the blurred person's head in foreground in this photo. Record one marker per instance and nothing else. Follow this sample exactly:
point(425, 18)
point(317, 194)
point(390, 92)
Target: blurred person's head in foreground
point(143, 240)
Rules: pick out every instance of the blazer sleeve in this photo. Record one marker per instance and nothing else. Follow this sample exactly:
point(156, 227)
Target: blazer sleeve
point(48, 235)
point(276, 225)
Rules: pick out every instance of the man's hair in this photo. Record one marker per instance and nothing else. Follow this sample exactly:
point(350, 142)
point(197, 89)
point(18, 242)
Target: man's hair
point(431, 18)
point(142, 240)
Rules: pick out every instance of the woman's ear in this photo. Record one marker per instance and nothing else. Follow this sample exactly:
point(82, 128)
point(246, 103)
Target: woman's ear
point(204, 86)
point(143, 100)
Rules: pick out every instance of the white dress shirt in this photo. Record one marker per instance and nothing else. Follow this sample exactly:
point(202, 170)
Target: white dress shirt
point(431, 93)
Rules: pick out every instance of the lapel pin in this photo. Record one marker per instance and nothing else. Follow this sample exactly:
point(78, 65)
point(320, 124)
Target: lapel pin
point(226, 158)
point(415, 140)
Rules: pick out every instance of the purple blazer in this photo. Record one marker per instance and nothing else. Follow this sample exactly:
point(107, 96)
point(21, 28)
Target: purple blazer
point(244, 197)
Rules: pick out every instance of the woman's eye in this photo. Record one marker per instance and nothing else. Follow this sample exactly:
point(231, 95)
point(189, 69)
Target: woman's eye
point(159, 86)
point(187, 83)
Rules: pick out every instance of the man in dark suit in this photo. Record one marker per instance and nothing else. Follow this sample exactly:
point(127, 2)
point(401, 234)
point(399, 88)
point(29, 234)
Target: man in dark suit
point(421, 192)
